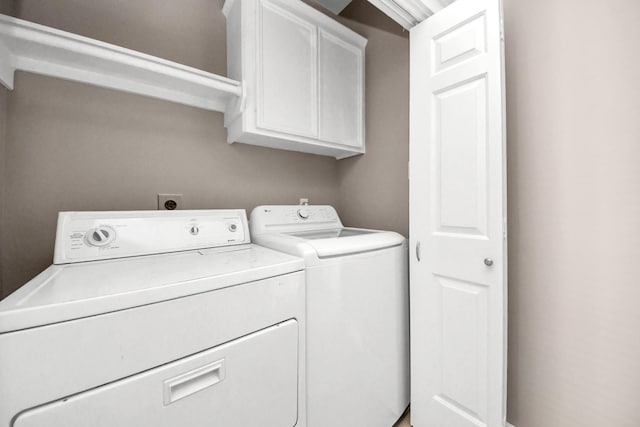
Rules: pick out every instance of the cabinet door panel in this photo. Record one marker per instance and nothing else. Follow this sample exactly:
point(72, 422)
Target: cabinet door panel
point(287, 79)
point(341, 89)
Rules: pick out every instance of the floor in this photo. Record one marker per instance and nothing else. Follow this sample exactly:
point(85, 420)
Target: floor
point(404, 421)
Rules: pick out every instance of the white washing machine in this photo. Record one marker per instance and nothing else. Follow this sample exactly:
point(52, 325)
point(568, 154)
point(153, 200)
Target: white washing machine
point(156, 319)
point(357, 313)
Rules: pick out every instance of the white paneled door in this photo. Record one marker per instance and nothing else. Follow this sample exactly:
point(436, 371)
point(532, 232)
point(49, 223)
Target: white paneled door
point(458, 218)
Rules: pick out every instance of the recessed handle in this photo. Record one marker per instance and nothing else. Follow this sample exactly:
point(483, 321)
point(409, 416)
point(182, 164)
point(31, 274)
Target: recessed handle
point(193, 381)
point(418, 250)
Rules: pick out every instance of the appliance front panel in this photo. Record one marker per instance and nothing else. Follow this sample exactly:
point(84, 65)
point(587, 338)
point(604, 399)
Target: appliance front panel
point(55, 361)
point(358, 339)
point(251, 381)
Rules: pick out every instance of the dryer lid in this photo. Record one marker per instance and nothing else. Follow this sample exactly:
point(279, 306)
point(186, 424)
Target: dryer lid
point(72, 291)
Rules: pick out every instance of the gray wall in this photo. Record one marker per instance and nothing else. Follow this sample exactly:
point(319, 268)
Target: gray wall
point(374, 188)
point(6, 8)
point(75, 147)
point(573, 97)
point(3, 135)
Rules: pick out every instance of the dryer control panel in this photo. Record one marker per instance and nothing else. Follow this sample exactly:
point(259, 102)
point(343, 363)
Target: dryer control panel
point(90, 236)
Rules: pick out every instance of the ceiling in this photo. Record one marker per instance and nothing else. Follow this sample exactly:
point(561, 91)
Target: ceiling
point(407, 13)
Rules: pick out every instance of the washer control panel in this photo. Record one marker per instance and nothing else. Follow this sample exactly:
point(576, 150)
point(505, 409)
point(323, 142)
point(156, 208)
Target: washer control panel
point(90, 236)
point(303, 213)
point(265, 219)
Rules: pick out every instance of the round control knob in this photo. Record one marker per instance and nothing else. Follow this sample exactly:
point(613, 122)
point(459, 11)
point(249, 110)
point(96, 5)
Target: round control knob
point(100, 236)
point(303, 213)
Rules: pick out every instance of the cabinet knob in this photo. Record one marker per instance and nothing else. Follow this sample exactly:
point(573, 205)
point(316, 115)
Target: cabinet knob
point(488, 262)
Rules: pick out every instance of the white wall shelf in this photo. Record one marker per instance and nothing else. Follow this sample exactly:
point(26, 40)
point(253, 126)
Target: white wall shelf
point(39, 49)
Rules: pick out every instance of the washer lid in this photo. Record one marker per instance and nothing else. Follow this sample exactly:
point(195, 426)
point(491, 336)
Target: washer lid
point(72, 291)
point(346, 241)
point(332, 234)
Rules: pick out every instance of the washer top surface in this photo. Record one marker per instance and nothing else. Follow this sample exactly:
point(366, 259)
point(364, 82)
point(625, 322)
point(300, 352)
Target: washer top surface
point(85, 288)
point(298, 229)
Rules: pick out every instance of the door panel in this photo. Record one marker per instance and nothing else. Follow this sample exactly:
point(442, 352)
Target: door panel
point(287, 99)
point(458, 211)
point(460, 43)
point(461, 158)
point(463, 338)
point(341, 87)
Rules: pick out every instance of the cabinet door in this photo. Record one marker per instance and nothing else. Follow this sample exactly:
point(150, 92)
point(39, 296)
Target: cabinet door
point(287, 72)
point(341, 91)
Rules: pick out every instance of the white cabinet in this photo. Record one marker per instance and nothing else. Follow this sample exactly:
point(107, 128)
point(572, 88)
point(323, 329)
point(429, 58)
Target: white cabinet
point(303, 76)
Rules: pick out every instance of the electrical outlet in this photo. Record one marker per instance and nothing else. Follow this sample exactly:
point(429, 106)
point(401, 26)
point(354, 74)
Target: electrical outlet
point(169, 202)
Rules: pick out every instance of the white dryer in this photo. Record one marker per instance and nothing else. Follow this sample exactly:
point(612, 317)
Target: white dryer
point(155, 319)
point(357, 313)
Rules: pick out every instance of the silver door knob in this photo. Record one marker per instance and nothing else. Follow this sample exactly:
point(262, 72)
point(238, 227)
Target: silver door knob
point(488, 262)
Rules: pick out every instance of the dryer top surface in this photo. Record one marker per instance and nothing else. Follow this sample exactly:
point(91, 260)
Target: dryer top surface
point(72, 291)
